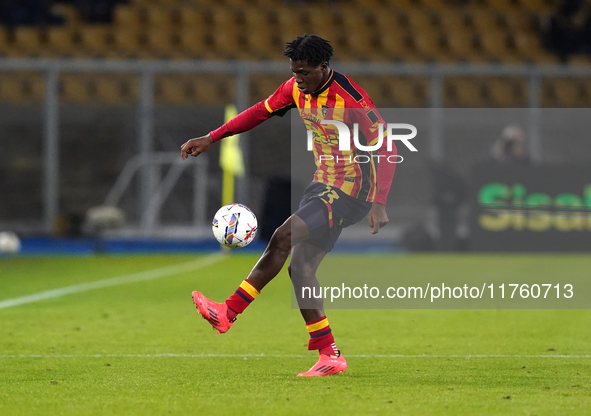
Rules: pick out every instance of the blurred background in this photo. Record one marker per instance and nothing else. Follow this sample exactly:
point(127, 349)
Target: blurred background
point(96, 97)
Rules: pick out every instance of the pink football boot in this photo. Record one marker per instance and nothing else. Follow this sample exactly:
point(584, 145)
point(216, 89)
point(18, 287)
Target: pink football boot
point(213, 312)
point(327, 365)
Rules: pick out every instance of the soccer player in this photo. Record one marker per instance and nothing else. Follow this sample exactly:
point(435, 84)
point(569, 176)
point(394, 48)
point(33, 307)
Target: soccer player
point(342, 193)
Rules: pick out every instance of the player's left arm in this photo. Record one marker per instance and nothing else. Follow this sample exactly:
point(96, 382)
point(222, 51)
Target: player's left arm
point(369, 120)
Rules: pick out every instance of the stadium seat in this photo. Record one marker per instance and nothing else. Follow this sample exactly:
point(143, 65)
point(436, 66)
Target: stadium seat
point(68, 12)
point(461, 46)
point(538, 6)
point(160, 43)
point(167, 89)
point(127, 43)
point(161, 2)
point(116, 88)
point(265, 3)
point(160, 18)
point(4, 44)
point(262, 44)
point(74, 88)
point(192, 42)
point(451, 20)
point(506, 92)
point(21, 87)
point(561, 92)
point(10, 90)
point(495, 45)
point(190, 17)
point(356, 21)
point(60, 41)
point(263, 85)
point(517, 22)
point(374, 86)
point(227, 45)
point(289, 23)
point(529, 46)
point(407, 91)
point(374, 4)
point(225, 19)
point(322, 22)
point(463, 92)
point(430, 44)
point(387, 21)
point(503, 5)
point(107, 88)
point(418, 19)
point(27, 42)
point(436, 4)
point(399, 4)
point(360, 44)
point(179, 89)
point(579, 60)
point(233, 4)
point(213, 89)
point(112, 88)
point(254, 19)
point(586, 91)
point(127, 17)
point(397, 45)
point(95, 40)
point(484, 20)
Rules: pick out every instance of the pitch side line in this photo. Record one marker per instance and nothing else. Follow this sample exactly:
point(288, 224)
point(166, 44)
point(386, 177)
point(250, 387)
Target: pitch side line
point(114, 281)
point(287, 356)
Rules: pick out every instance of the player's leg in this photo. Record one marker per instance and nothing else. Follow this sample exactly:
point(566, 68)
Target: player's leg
point(290, 233)
point(222, 315)
point(304, 262)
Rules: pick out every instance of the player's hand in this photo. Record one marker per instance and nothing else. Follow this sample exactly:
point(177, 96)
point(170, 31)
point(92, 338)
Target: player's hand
point(377, 217)
point(195, 147)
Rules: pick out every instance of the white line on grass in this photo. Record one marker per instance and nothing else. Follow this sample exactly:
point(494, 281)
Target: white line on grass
point(114, 281)
point(287, 356)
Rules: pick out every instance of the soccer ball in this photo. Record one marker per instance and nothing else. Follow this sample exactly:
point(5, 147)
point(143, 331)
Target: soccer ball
point(9, 242)
point(234, 225)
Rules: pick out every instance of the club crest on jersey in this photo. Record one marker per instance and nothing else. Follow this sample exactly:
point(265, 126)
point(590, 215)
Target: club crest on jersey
point(325, 110)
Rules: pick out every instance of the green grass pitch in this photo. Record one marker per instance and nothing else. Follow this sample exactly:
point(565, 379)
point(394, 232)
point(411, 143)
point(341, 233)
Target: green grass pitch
point(140, 348)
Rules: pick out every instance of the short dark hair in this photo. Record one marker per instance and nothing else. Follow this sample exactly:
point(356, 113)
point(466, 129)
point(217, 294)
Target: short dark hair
point(310, 48)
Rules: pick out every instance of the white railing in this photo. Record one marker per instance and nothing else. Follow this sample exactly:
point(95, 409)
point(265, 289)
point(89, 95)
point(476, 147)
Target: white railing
point(150, 212)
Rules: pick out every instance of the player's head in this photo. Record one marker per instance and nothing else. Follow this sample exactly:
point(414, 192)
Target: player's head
point(309, 56)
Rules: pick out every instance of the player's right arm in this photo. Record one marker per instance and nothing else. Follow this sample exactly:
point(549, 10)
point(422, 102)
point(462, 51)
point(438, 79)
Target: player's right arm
point(196, 146)
point(277, 104)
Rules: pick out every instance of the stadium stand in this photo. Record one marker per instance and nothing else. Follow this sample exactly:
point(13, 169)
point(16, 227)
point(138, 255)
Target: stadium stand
point(21, 87)
point(411, 31)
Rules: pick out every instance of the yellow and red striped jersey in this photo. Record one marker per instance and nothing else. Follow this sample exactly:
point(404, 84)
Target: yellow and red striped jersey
point(338, 99)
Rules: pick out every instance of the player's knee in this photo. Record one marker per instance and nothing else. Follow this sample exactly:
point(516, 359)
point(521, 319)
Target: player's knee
point(281, 238)
point(306, 273)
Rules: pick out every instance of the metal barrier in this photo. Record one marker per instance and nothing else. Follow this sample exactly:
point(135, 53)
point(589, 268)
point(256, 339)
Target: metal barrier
point(151, 211)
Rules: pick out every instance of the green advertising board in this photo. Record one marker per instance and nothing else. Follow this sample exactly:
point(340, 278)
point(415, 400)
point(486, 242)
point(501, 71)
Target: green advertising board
point(530, 208)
